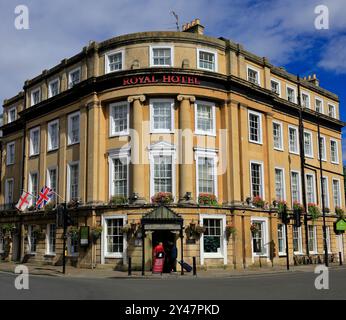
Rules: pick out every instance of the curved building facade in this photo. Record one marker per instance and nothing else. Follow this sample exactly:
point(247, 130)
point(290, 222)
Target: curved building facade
point(175, 137)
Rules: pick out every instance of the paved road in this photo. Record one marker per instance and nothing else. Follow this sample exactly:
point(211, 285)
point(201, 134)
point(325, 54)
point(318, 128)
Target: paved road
point(293, 285)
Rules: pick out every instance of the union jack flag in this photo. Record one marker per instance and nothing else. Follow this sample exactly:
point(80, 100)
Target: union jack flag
point(44, 197)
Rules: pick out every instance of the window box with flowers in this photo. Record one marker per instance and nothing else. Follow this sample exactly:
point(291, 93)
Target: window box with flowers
point(118, 200)
point(162, 198)
point(258, 202)
point(314, 211)
point(207, 199)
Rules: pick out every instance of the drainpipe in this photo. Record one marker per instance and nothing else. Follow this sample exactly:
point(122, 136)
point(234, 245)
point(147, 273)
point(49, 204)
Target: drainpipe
point(302, 166)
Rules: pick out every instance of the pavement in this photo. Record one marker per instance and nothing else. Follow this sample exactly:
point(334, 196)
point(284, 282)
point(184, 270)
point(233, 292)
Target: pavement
point(108, 272)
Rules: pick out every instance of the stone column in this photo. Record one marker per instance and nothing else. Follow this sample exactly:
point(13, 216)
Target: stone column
point(138, 186)
point(186, 179)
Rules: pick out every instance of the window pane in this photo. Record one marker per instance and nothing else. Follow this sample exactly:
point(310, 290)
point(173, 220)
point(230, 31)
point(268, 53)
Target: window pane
point(212, 238)
point(206, 178)
point(162, 56)
point(115, 62)
point(162, 115)
point(204, 118)
point(256, 179)
point(162, 174)
point(277, 134)
point(114, 236)
point(119, 118)
point(254, 126)
point(206, 60)
point(120, 177)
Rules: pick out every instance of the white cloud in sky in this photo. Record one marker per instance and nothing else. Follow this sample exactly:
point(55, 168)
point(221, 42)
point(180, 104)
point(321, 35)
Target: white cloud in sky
point(282, 30)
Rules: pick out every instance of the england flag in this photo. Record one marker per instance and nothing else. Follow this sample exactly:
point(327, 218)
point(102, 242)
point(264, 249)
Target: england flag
point(23, 202)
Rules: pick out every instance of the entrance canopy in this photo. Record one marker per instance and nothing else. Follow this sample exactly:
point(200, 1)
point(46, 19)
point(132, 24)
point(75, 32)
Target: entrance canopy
point(162, 218)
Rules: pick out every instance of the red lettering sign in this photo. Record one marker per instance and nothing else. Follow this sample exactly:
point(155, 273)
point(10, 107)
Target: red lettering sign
point(166, 78)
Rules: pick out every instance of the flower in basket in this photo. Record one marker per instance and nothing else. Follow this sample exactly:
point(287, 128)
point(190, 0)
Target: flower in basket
point(73, 232)
point(281, 206)
point(314, 211)
point(258, 202)
point(198, 229)
point(162, 197)
point(126, 228)
point(230, 229)
point(207, 199)
point(340, 212)
point(96, 232)
point(298, 207)
point(254, 228)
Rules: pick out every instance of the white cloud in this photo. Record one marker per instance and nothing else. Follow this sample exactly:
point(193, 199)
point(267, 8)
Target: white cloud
point(277, 29)
point(334, 55)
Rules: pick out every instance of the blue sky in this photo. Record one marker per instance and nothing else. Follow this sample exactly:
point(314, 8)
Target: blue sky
point(282, 30)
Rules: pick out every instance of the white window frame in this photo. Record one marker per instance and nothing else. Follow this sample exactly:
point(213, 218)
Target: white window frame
point(283, 182)
point(324, 148)
point(297, 141)
point(69, 126)
point(49, 138)
point(50, 94)
point(32, 200)
point(262, 178)
point(299, 186)
point(282, 253)
point(326, 193)
point(334, 110)
point(210, 52)
point(9, 118)
point(309, 99)
point(294, 91)
point(279, 85)
point(213, 113)
point(111, 53)
point(57, 178)
point(314, 186)
point(70, 85)
point(258, 114)
point(251, 67)
point(210, 154)
point(339, 196)
point(164, 149)
point(311, 143)
point(7, 191)
point(151, 106)
point(30, 231)
point(223, 249)
point(265, 233)
point(281, 134)
point(112, 132)
point(49, 252)
point(31, 147)
point(118, 154)
point(337, 151)
point(33, 91)
point(315, 248)
point(160, 46)
point(105, 254)
point(322, 104)
point(68, 180)
point(10, 161)
point(300, 241)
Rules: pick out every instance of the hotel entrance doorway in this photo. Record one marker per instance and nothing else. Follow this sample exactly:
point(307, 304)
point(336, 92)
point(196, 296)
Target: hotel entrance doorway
point(168, 239)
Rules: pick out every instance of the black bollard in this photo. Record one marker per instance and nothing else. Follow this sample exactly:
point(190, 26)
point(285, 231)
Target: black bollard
point(340, 259)
point(194, 266)
point(130, 267)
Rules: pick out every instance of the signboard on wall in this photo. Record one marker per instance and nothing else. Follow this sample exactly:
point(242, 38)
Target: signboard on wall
point(84, 236)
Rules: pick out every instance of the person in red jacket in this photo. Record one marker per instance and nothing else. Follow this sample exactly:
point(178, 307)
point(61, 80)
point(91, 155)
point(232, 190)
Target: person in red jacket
point(159, 249)
point(159, 258)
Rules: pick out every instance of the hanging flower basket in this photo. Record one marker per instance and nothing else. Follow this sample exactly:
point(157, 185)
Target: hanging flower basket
point(73, 233)
point(297, 207)
point(96, 232)
point(340, 212)
point(126, 228)
point(194, 230)
point(230, 230)
point(254, 228)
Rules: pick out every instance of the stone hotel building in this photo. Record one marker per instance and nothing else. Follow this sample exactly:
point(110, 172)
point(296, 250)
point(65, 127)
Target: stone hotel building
point(176, 137)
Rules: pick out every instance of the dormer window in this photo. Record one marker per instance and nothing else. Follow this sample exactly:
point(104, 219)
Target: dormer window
point(161, 56)
point(74, 77)
point(11, 115)
point(114, 61)
point(35, 96)
point(54, 88)
point(253, 75)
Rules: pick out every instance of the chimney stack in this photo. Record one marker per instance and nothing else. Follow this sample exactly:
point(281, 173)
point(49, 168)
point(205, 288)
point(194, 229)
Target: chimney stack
point(313, 79)
point(193, 27)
